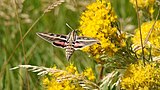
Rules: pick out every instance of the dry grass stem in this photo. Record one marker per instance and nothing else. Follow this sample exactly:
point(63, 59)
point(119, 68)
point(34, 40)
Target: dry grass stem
point(53, 5)
point(40, 70)
point(139, 26)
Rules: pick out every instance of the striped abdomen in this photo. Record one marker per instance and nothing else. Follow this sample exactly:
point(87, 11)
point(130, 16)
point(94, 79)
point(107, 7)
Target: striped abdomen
point(69, 51)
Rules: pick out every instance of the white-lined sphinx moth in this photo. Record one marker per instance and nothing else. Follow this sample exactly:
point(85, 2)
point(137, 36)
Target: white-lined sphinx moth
point(70, 42)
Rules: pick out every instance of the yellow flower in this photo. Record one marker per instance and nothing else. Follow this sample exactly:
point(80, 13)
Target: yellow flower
point(72, 69)
point(142, 3)
point(151, 10)
point(154, 38)
point(102, 1)
point(89, 74)
point(63, 85)
point(148, 4)
point(68, 79)
point(99, 21)
point(140, 77)
point(45, 81)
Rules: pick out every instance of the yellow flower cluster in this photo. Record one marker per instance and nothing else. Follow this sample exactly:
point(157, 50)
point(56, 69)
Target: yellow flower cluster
point(99, 21)
point(144, 4)
point(68, 79)
point(154, 38)
point(140, 77)
point(72, 69)
point(63, 85)
point(89, 74)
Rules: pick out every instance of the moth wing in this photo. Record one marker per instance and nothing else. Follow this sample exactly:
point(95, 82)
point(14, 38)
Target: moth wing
point(54, 39)
point(82, 42)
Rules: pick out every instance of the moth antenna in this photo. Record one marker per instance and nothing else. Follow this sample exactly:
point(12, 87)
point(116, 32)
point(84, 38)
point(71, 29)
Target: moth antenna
point(69, 26)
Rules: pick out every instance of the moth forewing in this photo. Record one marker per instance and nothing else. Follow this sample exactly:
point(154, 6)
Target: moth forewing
point(44, 36)
point(82, 42)
point(55, 39)
point(51, 36)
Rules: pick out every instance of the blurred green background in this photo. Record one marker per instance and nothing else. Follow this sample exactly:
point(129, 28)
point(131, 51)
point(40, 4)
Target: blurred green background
point(14, 23)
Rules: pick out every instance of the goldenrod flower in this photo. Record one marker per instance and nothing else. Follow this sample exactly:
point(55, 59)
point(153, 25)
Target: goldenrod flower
point(89, 74)
point(142, 3)
point(63, 85)
point(147, 4)
point(68, 79)
point(154, 38)
point(72, 69)
point(99, 21)
point(140, 77)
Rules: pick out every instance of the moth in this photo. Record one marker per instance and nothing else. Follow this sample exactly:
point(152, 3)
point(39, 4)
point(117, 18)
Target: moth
point(70, 42)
